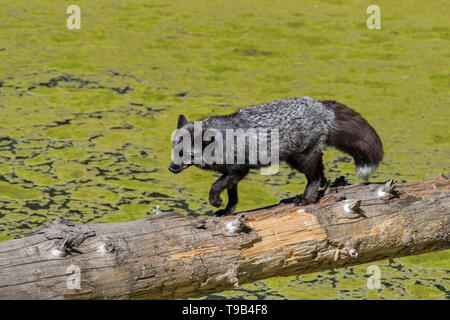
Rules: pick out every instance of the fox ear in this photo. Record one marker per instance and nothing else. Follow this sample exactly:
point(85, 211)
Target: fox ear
point(181, 121)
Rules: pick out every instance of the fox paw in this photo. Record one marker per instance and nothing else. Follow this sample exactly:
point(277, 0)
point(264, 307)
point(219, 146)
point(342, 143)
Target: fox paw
point(215, 201)
point(300, 200)
point(224, 212)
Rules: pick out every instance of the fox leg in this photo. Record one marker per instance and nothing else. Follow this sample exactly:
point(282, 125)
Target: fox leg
point(311, 165)
point(230, 183)
point(232, 201)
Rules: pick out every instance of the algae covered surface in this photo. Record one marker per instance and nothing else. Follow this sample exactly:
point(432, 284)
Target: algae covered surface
point(86, 115)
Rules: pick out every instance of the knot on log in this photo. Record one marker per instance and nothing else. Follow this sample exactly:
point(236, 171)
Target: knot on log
point(343, 251)
point(441, 176)
point(352, 209)
point(106, 247)
point(231, 276)
point(355, 206)
point(71, 235)
point(234, 226)
point(352, 252)
point(157, 210)
point(199, 224)
point(387, 192)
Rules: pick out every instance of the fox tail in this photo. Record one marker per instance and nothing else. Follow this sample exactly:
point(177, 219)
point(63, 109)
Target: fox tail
point(352, 134)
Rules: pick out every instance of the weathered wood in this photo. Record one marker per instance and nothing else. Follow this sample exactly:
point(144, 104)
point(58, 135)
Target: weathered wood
point(171, 256)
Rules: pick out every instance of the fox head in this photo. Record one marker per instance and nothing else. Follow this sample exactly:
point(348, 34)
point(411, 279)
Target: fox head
point(185, 131)
point(194, 145)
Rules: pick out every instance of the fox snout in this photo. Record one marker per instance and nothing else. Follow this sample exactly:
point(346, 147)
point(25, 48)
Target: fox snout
point(177, 168)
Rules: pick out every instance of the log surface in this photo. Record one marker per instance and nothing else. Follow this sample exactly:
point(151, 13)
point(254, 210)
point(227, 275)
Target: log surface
point(171, 256)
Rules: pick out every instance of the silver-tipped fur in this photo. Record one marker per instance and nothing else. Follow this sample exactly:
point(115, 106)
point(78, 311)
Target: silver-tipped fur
point(363, 172)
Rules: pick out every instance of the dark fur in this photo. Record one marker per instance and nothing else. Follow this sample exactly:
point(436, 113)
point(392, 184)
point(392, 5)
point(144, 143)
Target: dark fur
point(348, 132)
point(352, 134)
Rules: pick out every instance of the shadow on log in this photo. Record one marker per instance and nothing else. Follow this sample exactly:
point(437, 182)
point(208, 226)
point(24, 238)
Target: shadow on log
point(171, 256)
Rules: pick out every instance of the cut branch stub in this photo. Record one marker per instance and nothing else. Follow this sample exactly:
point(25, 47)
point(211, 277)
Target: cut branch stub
point(71, 235)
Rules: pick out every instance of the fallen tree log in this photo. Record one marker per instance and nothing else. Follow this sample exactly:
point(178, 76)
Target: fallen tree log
point(171, 256)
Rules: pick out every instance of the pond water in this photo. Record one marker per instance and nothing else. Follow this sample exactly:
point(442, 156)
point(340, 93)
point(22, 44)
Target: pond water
point(86, 115)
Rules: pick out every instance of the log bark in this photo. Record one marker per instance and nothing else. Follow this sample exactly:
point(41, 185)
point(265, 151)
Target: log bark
point(171, 256)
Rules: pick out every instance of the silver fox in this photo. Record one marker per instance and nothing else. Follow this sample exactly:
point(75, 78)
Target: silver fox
point(304, 125)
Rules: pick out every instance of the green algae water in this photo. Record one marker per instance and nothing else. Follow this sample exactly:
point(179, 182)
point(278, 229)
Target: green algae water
point(86, 115)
